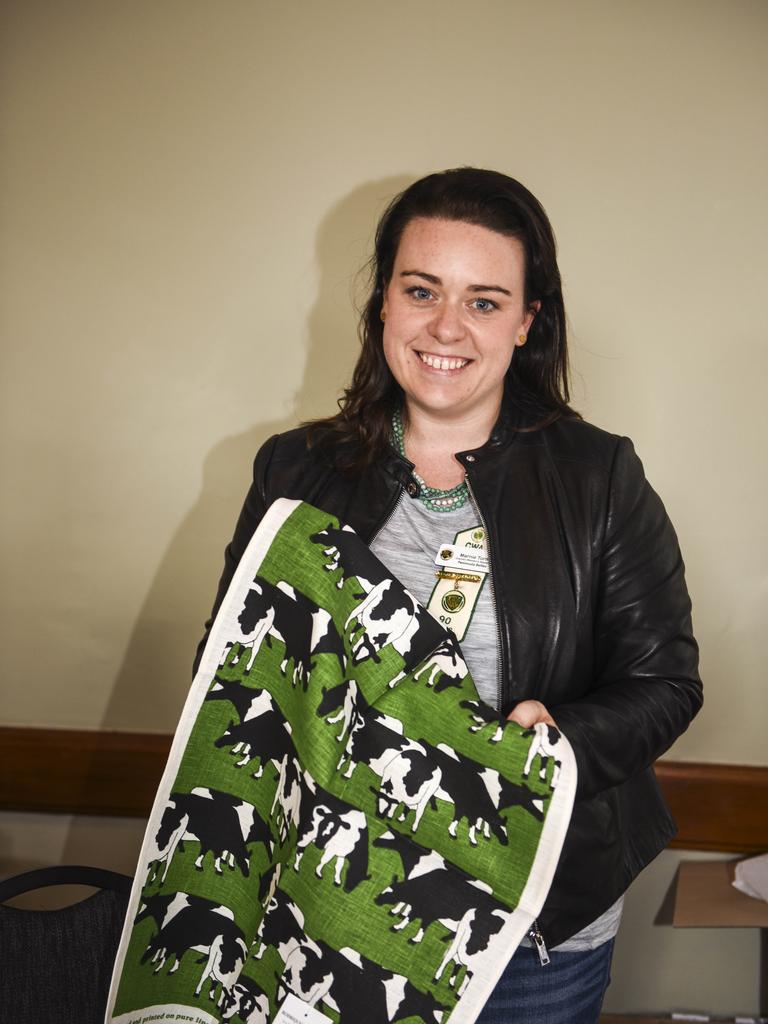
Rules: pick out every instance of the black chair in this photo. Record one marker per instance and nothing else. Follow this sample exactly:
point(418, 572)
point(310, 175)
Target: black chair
point(56, 965)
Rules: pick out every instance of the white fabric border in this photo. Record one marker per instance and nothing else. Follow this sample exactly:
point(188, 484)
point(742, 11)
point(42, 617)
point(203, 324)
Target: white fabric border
point(503, 945)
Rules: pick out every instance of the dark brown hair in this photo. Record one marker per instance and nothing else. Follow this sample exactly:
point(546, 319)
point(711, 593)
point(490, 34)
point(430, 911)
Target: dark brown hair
point(537, 379)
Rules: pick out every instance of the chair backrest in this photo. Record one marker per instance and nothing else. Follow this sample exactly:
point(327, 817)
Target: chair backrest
point(56, 965)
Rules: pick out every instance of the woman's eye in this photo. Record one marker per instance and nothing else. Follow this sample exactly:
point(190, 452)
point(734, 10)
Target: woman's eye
point(420, 293)
point(484, 305)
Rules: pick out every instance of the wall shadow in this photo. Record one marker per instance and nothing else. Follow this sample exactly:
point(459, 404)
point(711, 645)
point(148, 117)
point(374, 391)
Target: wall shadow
point(156, 669)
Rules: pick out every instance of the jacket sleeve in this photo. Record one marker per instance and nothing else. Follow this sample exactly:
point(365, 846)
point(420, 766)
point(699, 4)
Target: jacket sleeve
point(646, 687)
point(251, 514)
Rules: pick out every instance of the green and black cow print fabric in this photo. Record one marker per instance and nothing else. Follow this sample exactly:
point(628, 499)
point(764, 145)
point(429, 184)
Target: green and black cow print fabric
point(342, 824)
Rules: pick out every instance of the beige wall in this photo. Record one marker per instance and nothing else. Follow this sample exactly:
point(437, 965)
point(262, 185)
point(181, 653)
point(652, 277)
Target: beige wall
point(186, 191)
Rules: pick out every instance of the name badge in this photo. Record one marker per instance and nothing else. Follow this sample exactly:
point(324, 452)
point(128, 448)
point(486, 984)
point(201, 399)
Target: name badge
point(461, 569)
point(294, 1011)
point(461, 556)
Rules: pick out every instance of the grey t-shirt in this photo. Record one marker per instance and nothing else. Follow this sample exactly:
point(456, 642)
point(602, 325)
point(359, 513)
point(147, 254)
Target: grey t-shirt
point(407, 544)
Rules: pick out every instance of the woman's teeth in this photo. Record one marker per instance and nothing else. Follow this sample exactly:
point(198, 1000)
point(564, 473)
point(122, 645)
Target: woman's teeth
point(442, 364)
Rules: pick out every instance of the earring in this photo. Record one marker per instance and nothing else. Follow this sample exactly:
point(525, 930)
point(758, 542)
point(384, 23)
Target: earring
point(382, 316)
point(522, 338)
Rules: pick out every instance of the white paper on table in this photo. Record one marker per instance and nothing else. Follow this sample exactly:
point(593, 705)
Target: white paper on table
point(751, 876)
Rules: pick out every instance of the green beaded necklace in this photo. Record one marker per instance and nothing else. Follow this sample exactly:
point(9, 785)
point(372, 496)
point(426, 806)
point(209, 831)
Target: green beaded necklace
point(431, 497)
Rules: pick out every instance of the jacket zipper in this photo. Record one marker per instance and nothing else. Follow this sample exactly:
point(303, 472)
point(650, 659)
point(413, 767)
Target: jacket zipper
point(534, 934)
point(388, 515)
point(493, 593)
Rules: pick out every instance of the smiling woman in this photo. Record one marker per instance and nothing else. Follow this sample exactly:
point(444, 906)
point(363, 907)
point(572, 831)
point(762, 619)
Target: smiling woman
point(565, 583)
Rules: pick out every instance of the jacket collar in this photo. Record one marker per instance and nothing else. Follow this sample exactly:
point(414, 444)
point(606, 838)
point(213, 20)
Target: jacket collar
point(512, 419)
point(503, 433)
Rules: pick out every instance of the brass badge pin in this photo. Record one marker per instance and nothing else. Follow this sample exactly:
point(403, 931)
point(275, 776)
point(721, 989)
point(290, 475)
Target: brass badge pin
point(453, 601)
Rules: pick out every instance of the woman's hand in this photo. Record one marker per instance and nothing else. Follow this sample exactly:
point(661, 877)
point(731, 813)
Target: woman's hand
point(529, 713)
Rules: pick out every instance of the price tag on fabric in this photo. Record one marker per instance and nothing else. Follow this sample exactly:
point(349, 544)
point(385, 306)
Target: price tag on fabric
point(294, 1011)
point(462, 567)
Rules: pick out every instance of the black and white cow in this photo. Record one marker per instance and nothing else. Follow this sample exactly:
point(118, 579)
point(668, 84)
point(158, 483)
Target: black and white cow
point(470, 944)
point(160, 907)
point(373, 738)
point(409, 782)
point(341, 832)
point(390, 616)
point(445, 664)
point(338, 705)
point(414, 860)
point(385, 614)
point(514, 794)
point(430, 892)
point(354, 987)
point(278, 611)
point(264, 734)
point(281, 928)
point(344, 550)
point(404, 1001)
point(247, 1002)
point(479, 794)
point(484, 715)
point(287, 802)
point(464, 784)
point(226, 957)
point(414, 775)
point(221, 823)
point(546, 744)
point(307, 974)
point(242, 698)
point(191, 923)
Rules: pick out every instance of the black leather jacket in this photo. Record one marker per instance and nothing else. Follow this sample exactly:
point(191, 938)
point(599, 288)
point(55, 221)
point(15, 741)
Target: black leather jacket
point(593, 612)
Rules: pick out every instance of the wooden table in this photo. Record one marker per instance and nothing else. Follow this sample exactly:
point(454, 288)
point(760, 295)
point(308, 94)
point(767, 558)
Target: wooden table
point(706, 898)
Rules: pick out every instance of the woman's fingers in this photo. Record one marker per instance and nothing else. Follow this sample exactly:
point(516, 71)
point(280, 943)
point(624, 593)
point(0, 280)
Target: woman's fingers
point(530, 712)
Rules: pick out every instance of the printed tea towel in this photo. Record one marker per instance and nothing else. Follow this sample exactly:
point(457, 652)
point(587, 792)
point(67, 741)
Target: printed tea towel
point(342, 826)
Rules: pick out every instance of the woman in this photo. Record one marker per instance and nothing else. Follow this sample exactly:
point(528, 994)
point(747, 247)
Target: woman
point(457, 419)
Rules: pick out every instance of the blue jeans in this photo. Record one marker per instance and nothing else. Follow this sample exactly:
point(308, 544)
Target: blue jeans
point(569, 990)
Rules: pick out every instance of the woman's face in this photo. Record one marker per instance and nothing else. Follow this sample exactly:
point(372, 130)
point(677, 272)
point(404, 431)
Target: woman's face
point(454, 312)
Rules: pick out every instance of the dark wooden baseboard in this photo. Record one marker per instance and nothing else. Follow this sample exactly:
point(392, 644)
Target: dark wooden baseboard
point(717, 807)
point(79, 771)
point(623, 1018)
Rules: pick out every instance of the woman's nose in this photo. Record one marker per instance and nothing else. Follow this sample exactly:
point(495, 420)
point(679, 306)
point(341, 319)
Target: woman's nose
point(447, 324)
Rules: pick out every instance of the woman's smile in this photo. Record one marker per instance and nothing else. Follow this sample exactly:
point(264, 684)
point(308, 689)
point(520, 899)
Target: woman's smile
point(442, 363)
